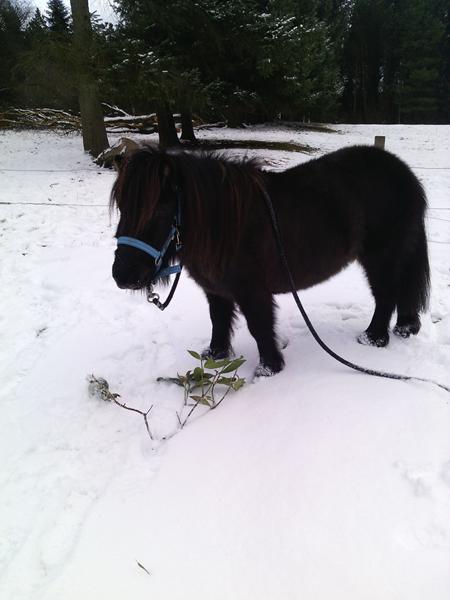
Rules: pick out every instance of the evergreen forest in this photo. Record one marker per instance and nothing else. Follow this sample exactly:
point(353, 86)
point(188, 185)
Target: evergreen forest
point(239, 61)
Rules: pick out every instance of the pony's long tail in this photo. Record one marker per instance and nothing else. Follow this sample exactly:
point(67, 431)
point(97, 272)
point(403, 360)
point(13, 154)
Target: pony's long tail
point(414, 288)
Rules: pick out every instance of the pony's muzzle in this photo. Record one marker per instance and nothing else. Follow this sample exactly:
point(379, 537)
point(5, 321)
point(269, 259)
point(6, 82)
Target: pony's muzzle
point(130, 276)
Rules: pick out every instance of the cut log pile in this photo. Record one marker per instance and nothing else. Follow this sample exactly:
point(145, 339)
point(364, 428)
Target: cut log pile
point(39, 118)
point(49, 118)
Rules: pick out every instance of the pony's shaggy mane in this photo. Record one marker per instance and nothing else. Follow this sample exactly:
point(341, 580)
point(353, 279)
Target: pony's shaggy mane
point(217, 193)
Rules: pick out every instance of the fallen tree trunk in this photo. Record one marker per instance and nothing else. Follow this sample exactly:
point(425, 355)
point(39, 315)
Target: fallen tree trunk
point(139, 123)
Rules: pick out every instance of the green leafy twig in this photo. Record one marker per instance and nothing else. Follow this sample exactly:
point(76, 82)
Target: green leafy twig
point(202, 383)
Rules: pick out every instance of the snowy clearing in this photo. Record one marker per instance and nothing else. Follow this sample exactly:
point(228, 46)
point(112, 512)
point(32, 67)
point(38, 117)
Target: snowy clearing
point(318, 483)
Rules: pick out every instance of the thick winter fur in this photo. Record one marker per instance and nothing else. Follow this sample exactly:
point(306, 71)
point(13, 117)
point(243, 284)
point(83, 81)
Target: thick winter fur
point(359, 203)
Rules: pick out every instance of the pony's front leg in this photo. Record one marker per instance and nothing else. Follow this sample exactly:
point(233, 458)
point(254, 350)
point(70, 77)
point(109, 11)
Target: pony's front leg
point(222, 314)
point(258, 309)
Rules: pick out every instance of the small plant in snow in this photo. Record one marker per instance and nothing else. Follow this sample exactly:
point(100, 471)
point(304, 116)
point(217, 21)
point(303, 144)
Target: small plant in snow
point(98, 388)
point(209, 383)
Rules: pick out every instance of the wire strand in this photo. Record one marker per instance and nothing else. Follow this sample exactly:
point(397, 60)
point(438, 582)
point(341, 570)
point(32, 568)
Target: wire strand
point(52, 204)
point(87, 170)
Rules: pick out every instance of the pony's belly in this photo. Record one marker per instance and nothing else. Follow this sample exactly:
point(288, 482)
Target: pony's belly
point(306, 276)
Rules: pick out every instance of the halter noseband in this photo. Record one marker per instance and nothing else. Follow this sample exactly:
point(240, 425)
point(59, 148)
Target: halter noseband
point(158, 255)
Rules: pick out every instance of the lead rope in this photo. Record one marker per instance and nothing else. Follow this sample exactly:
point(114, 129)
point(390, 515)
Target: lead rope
point(347, 363)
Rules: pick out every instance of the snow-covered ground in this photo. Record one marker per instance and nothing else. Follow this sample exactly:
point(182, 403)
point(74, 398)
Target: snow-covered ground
point(318, 483)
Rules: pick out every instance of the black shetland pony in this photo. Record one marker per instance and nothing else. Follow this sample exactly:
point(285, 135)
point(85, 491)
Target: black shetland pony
point(359, 203)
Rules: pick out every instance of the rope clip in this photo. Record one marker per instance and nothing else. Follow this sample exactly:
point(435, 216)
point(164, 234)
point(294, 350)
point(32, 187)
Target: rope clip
point(152, 296)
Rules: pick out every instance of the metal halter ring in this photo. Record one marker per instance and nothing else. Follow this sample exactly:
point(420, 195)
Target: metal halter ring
point(151, 295)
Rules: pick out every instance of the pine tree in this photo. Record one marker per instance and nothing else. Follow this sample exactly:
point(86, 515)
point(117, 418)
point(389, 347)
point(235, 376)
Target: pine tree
point(245, 60)
point(57, 16)
point(37, 25)
point(43, 73)
point(364, 60)
point(444, 71)
point(13, 17)
point(416, 35)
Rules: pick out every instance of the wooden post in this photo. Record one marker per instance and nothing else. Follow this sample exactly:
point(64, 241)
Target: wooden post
point(380, 141)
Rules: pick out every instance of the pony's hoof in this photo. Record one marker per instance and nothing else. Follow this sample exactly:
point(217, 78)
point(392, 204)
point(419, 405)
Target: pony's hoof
point(216, 354)
point(368, 339)
point(264, 371)
point(405, 331)
point(268, 370)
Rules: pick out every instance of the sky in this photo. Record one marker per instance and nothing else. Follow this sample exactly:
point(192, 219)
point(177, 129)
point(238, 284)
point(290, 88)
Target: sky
point(101, 7)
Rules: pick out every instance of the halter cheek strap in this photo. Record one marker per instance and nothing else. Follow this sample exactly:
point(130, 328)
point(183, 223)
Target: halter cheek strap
point(158, 255)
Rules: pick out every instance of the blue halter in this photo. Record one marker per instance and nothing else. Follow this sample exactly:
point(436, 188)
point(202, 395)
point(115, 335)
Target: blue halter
point(158, 255)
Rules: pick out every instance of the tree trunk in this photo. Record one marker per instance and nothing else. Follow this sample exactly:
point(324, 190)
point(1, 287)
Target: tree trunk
point(168, 136)
point(95, 139)
point(187, 129)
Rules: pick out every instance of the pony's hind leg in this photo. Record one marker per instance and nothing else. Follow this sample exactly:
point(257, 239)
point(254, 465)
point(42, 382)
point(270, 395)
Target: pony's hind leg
point(258, 309)
point(382, 280)
point(222, 314)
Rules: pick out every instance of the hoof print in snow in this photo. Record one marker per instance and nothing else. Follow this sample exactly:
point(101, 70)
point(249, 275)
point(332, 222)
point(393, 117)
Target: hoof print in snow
point(283, 342)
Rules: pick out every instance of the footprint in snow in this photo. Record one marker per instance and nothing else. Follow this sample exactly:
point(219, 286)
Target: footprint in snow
point(430, 484)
